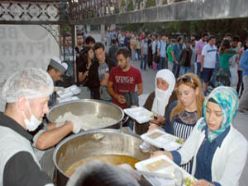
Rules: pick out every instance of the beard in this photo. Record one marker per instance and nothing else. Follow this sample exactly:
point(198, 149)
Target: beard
point(125, 67)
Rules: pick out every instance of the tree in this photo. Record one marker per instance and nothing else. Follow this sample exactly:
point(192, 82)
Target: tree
point(217, 27)
point(130, 5)
point(150, 3)
point(123, 5)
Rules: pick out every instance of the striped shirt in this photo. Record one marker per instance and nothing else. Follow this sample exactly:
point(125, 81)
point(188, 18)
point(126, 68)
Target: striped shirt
point(183, 125)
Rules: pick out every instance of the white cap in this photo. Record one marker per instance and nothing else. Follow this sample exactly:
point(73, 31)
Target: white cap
point(56, 63)
point(30, 83)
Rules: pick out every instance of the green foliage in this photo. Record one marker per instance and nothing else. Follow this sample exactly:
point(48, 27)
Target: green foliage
point(150, 3)
point(92, 13)
point(65, 28)
point(123, 3)
point(216, 27)
point(130, 5)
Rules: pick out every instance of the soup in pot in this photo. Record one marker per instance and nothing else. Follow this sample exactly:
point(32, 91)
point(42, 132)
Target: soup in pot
point(111, 159)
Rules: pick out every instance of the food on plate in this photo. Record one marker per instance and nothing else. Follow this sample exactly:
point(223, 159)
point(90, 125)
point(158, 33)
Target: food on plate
point(157, 165)
point(188, 181)
point(180, 141)
point(88, 121)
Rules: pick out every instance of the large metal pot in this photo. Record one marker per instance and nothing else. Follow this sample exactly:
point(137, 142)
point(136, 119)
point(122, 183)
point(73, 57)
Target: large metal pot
point(93, 143)
point(89, 106)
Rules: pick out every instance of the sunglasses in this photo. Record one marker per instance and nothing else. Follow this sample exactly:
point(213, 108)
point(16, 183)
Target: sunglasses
point(185, 79)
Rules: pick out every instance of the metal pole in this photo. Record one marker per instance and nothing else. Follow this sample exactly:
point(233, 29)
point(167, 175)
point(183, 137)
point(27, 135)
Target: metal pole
point(73, 33)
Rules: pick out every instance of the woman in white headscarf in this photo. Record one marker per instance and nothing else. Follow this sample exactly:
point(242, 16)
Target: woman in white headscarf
point(159, 99)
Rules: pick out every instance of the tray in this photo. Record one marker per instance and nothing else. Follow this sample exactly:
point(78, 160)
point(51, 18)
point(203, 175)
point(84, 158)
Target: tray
point(161, 139)
point(158, 166)
point(170, 175)
point(139, 114)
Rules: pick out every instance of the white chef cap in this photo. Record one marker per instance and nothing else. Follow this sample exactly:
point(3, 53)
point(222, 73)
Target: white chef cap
point(56, 63)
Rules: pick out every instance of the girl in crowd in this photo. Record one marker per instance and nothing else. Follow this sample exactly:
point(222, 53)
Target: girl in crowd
point(220, 151)
point(182, 115)
point(88, 72)
point(185, 58)
point(225, 54)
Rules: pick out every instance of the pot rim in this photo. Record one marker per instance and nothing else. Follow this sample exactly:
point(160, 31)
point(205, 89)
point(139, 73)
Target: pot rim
point(87, 100)
point(61, 143)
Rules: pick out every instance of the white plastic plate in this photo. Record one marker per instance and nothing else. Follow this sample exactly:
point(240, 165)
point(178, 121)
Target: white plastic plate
point(158, 166)
point(161, 139)
point(140, 114)
point(163, 175)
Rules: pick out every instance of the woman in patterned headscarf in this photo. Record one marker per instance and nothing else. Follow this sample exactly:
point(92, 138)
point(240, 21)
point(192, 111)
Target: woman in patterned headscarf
point(220, 150)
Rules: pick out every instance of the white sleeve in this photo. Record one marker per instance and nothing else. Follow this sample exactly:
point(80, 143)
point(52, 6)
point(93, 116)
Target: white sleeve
point(204, 50)
point(235, 162)
point(158, 45)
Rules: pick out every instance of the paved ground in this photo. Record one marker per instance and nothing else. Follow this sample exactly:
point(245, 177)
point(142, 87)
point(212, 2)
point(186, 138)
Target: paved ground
point(240, 122)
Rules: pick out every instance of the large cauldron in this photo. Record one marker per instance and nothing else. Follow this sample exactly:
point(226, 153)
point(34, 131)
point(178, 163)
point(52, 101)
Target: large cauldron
point(89, 106)
point(93, 143)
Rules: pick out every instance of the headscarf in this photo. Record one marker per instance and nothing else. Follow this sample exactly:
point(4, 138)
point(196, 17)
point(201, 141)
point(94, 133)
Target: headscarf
point(227, 99)
point(162, 96)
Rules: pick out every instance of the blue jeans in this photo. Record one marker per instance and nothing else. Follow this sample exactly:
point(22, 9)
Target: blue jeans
point(175, 69)
point(198, 69)
point(162, 63)
point(184, 70)
point(143, 62)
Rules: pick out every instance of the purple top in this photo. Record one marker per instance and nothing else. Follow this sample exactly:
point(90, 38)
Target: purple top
point(198, 48)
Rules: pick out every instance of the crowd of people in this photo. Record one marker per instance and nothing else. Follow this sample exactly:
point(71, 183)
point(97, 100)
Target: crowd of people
point(213, 151)
point(108, 74)
point(216, 61)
